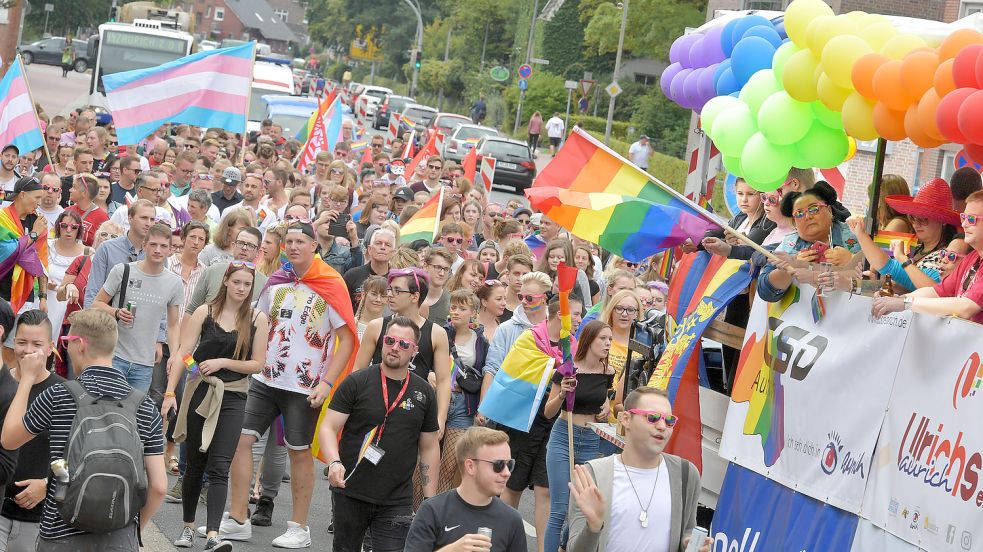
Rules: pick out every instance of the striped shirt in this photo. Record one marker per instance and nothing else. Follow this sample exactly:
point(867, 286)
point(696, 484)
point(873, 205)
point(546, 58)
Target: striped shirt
point(174, 263)
point(54, 410)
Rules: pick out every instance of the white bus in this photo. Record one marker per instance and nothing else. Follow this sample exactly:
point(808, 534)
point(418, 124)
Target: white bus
point(125, 46)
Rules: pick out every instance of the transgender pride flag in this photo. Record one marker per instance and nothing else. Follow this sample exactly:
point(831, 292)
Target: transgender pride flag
point(18, 122)
point(207, 89)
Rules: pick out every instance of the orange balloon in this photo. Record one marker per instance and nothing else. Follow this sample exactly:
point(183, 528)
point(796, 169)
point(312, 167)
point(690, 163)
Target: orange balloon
point(916, 132)
point(863, 74)
point(927, 107)
point(888, 87)
point(957, 41)
point(918, 73)
point(943, 80)
point(889, 123)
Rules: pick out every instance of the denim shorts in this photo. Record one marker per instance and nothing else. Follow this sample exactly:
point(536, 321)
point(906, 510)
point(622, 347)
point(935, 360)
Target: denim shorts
point(457, 413)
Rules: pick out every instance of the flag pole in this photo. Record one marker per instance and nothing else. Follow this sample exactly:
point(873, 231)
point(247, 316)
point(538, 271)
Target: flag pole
point(440, 205)
point(692, 204)
point(245, 133)
point(37, 118)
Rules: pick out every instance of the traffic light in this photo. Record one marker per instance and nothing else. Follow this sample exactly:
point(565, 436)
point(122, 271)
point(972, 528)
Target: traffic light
point(419, 59)
point(112, 13)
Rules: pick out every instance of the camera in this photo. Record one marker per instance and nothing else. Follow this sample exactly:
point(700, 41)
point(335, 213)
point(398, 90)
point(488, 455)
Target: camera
point(646, 343)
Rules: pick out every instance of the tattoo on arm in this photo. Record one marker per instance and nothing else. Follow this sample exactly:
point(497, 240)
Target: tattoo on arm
point(424, 474)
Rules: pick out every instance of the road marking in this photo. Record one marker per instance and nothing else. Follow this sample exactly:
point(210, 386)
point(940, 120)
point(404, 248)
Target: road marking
point(530, 529)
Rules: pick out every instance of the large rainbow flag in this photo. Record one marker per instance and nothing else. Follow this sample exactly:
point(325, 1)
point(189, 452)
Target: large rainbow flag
point(18, 254)
point(601, 197)
point(322, 106)
point(424, 224)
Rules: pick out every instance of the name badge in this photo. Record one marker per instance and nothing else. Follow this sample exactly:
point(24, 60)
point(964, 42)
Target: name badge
point(374, 454)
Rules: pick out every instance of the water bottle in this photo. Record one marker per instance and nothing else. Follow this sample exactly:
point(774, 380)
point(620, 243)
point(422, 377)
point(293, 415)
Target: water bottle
point(696, 539)
point(60, 469)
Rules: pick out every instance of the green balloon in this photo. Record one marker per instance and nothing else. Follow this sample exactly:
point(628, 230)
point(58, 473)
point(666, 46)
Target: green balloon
point(780, 58)
point(732, 129)
point(764, 162)
point(759, 87)
point(733, 165)
point(827, 116)
point(766, 186)
point(714, 108)
point(823, 147)
point(783, 119)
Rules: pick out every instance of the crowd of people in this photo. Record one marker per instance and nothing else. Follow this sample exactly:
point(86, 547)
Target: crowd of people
point(231, 297)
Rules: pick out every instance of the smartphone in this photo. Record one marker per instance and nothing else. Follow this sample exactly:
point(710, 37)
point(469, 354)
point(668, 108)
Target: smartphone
point(337, 228)
point(821, 248)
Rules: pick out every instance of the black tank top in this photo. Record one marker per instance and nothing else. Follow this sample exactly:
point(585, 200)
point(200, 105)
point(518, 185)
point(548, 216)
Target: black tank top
point(216, 342)
point(422, 363)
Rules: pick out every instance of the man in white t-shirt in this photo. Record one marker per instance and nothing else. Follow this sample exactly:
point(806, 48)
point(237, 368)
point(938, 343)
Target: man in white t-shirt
point(555, 130)
point(148, 186)
point(8, 161)
point(634, 522)
point(49, 207)
point(639, 153)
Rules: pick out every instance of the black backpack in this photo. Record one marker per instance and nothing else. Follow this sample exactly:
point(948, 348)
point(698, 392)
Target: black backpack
point(107, 483)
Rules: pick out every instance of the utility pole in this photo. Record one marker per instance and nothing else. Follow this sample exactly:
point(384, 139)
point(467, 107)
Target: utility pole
point(10, 40)
point(419, 44)
point(447, 56)
point(617, 68)
point(484, 46)
point(529, 46)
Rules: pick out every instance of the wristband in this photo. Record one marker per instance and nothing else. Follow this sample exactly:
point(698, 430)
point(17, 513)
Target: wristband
point(169, 394)
point(116, 314)
point(907, 263)
point(333, 462)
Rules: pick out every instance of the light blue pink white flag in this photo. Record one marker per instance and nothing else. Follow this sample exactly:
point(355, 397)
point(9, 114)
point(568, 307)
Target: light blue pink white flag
point(207, 89)
point(18, 122)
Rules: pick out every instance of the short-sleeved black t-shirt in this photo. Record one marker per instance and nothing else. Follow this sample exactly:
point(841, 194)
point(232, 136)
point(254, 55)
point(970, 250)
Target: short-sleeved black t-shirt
point(446, 518)
point(360, 396)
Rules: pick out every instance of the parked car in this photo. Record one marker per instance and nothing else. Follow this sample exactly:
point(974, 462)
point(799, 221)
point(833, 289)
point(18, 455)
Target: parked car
point(447, 122)
point(463, 139)
point(389, 105)
point(514, 165)
point(368, 101)
point(48, 52)
point(419, 115)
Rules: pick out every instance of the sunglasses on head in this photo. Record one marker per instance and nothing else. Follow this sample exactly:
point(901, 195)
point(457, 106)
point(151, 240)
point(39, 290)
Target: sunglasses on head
point(653, 417)
point(241, 264)
point(404, 344)
point(415, 272)
point(951, 256)
point(66, 339)
point(493, 283)
point(498, 465)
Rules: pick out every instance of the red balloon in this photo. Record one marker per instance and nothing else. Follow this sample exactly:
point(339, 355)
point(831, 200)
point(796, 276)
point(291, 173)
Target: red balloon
point(947, 115)
point(970, 122)
point(975, 152)
point(964, 66)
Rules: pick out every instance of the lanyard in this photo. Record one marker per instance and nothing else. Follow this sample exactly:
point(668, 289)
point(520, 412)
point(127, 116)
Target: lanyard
point(385, 401)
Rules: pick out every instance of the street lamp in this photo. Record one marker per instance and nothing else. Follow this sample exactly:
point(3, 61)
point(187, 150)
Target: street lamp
point(617, 68)
point(419, 44)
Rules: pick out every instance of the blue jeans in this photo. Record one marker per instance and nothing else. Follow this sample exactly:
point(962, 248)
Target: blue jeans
point(137, 375)
point(587, 445)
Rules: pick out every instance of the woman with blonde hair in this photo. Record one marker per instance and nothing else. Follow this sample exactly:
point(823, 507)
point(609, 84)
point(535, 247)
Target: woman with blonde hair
point(220, 250)
point(269, 260)
point(405, 257)
point(619, 312)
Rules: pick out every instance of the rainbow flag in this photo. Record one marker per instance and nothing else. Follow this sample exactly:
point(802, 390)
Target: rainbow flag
point(190, 365)
point(19, 255)
point(599, 196)
point(18, 121)
point(514, 395)
point(566, 277)
point(703, 286)
point(425, 223)
point(470, 164)
point(883, 238)
point(537, 245)
point(359, 145)
point(206, 89)
point(322, 106)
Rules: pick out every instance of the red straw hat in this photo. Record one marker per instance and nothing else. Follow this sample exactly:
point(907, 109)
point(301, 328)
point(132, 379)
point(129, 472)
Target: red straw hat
point(933, 201)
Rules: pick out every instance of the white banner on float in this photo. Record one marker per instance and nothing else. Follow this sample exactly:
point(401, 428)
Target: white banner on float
point(926, 485)
point(809, 397)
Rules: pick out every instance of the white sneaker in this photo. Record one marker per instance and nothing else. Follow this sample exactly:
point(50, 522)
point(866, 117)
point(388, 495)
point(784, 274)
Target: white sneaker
point(230, 529)
point(295, 537)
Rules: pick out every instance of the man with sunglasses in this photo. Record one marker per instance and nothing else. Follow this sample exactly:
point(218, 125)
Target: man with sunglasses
point(84, 189)
point(452, 519)
point(8, 162)
point(373, 490)
point(229, 195)
point(656, 492)
point(129, 168)
point(48, 206)
point(431, 182)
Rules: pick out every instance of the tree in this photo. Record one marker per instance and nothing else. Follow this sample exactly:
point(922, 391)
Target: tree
point(652, 25)
point(563, 40)
point(663, 121)
point(69, 15)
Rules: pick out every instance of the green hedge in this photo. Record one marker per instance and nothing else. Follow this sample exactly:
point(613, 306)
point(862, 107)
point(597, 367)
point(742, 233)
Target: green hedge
point(668, 169)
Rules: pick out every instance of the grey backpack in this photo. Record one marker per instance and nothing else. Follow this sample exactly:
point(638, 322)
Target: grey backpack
point(107, 483)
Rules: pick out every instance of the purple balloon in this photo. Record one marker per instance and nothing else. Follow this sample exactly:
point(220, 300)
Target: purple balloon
point(691, 88)
point(667, 76)
point(675, 49)
point(713, 52)
point(676, 87)
point(696, 55)
point(704, 87)
point(685, 49)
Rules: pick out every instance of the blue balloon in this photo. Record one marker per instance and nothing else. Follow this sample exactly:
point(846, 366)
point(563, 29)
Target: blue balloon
point(727, 83)
point(721, 67)
point(767, 33)
point(780, 27)
point(726, 37)
point(745, 23)
point(751, 55)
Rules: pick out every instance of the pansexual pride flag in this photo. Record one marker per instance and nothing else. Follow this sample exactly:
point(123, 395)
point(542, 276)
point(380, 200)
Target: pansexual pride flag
point(18, 122)
point(514, 395)
point(599, 196)
point(207, 89)
point(424, 224)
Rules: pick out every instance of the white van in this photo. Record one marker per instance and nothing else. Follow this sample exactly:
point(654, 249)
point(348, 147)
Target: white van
point(270, 76)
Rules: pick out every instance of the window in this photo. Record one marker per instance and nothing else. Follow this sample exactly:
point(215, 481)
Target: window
point(948, 164)
point(771, 5)
point(969, 8)
point(208, 12)
point(219, 14)
point(282, 15)
point(642, 78)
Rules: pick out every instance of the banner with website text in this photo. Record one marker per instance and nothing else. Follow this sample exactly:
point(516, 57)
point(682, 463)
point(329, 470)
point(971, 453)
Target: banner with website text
point(926, 485)
point(809, 397)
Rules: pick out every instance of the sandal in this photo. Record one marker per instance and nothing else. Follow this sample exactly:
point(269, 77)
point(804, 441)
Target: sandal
point(172, 466)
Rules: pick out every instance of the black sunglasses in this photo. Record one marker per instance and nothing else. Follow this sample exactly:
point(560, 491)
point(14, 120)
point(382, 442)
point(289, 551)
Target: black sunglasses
point(499, 465)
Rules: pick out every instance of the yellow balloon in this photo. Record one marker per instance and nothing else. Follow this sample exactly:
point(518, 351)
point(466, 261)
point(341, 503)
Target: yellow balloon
point(839, 55)
point(831, 95)
point(799, 77)
point(858, 117)
point(899, 46)
point(799, 14)
point(819, 32)
point(852, 147)
point(874, 19)
point(877, 34)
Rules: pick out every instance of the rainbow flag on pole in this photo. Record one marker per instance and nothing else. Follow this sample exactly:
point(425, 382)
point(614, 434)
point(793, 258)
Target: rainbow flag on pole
point(206, 89)
point(425, 223)
point(322, 106)
point(18, 121)
point(566, 277)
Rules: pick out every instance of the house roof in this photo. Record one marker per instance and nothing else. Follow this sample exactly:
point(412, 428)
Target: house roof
point(257, 14)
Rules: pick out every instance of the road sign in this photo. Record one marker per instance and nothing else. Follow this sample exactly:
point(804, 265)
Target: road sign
point(613, 89)
point(539, 61)
point(499, 73)
point(525, 71)
point(586, 87)
point(49, 7)
point(523, 84)
point(570, 85)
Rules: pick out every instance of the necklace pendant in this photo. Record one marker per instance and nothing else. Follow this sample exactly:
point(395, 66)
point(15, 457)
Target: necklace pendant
point(644, 518)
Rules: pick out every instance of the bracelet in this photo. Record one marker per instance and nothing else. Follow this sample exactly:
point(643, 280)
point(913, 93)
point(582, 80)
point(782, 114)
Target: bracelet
point(116, 314)
point(333, 462)
point(169, 394)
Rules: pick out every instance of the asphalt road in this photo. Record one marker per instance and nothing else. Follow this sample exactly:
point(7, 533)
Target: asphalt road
point(57, 95)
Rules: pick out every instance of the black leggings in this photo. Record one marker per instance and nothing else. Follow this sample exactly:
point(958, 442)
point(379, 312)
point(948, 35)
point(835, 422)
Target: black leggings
point(533, 142)
point(216, 461)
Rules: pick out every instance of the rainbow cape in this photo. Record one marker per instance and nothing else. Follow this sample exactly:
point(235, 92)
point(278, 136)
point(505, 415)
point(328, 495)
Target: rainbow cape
point(424, 224)
point(26, 259)
point(326, 282)
point(883, 238)
point(601, 197)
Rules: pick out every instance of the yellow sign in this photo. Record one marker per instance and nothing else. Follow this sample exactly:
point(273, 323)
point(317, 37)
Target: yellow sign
point(364, 46)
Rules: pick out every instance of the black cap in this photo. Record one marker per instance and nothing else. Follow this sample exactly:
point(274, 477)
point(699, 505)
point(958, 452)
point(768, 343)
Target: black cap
point(27, 184)
point(8, 146)
point(302, 227)
point(405, 193)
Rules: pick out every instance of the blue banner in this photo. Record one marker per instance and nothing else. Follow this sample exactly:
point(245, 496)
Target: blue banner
point(755, 514)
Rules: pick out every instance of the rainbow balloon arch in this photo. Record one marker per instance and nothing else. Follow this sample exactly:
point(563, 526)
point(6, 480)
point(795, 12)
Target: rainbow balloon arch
point(799, 89)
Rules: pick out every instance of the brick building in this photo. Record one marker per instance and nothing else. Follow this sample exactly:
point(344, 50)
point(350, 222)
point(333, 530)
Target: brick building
point(917, 165)
point(242, 20)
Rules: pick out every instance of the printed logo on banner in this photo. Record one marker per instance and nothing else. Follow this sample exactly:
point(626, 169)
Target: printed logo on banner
point(969, 380)
point(830, 459)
